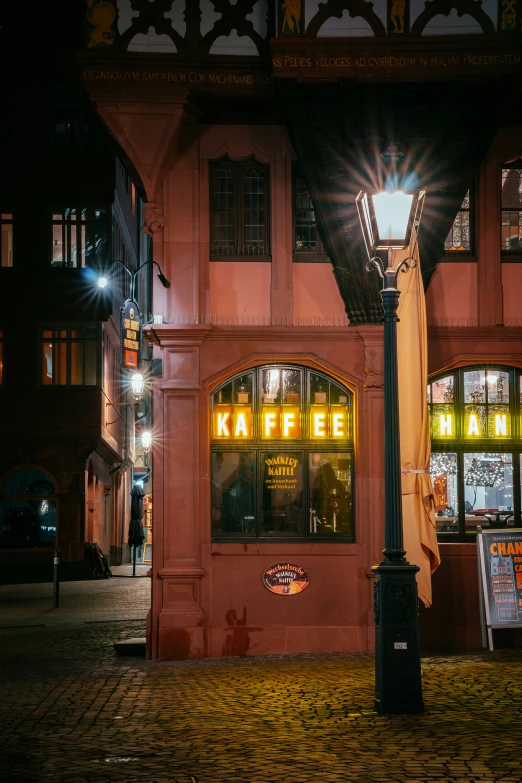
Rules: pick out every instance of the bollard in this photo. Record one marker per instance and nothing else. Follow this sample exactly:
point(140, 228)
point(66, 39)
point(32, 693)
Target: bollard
point(56, 582)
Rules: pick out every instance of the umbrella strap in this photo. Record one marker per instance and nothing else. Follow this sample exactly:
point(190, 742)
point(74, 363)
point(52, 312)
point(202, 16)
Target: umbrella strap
point(414, 471)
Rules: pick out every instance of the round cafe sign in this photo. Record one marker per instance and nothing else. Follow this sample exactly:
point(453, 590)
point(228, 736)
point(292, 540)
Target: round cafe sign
point(286, 578)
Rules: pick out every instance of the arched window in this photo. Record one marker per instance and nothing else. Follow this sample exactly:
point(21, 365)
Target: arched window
point(27, 510)
point(476, 446)
point(282, 456)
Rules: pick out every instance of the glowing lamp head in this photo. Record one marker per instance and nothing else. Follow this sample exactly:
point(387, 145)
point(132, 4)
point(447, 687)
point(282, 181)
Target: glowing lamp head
point(102, 281)
point(137, 385)
point(387, 218)
point(146, 441)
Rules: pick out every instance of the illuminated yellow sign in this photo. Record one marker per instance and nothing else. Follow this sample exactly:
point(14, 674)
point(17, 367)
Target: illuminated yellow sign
point(278, 421)
point(328, 423)
point(232, 423)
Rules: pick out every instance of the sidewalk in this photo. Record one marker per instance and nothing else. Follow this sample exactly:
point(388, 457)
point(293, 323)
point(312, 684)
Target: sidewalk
point(72, 712)
point(95, 600)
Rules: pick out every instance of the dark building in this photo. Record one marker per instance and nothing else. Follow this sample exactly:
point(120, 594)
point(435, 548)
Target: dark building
point(70, 208)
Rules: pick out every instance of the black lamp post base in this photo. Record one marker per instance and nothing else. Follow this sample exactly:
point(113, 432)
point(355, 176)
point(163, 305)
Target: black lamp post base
point(398, 685)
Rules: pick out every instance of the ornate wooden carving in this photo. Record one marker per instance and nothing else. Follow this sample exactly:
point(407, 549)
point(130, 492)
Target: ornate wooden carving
point(472, 8)
point(508, 16)
point(101, 18)
point(398, 17)
point(291, 17)
point(336, 8)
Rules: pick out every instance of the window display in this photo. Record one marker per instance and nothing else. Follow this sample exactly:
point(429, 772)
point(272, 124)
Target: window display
point(285, 480)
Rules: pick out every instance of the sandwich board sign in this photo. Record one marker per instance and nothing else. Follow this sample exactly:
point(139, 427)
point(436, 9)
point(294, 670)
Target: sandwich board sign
point(500, 580)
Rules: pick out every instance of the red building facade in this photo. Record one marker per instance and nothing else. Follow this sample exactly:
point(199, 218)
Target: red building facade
point(251, 134)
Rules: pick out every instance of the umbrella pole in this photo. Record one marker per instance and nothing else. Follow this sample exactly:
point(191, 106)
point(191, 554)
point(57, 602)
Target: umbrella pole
point(134, 561)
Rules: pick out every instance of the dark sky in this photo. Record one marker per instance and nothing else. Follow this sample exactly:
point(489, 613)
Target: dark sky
point(38, 39)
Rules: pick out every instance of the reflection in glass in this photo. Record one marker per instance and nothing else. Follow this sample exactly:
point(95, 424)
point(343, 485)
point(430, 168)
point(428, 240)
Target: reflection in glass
point(443, 390)
point(282, 493)
point(488, 490)
point(443, 472)
point(232, 492)
point(498, 386)
point(271, 384)
point(291, 387)
point(330, 494)
point(28, 524)
point(475, 386)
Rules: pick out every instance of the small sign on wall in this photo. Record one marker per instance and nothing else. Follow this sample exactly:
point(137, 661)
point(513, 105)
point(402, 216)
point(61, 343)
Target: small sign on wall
point(130, 335)
point(286, 579)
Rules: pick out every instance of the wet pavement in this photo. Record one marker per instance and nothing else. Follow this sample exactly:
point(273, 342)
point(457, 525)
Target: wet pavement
point(73, 712)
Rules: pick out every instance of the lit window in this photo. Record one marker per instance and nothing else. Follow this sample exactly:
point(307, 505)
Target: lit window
point(511, 208)
point(459, 237)
point(282, 456)
point(476, 450)
point(307, 242)
point(239, 209)
point(69, 356)
point(79, 238)
point(6, 243)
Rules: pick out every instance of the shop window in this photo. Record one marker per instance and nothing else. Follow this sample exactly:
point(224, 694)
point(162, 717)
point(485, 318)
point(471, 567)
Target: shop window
point(6, 243)
point(476, 447)
point(79, 238)
point(69, 356)
point(27, 510)
point(281, 456)
point(511, 211)
point(307, 242)
point(239, 210)
point(459, 240)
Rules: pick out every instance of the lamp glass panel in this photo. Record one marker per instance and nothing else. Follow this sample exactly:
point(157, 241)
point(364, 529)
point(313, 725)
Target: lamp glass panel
point(392, 213)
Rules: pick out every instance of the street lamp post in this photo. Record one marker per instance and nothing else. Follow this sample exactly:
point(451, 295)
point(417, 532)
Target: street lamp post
point(387, 221)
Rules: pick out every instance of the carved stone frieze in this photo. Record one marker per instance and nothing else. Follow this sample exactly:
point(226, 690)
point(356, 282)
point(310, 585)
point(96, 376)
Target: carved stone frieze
point(153, 218)
point(374, 365)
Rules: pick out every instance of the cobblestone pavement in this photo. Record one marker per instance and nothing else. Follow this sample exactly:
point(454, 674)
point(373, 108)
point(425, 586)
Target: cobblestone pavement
point(72, 712)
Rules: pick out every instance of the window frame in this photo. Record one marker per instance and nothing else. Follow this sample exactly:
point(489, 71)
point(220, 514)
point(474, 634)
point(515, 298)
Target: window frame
point(68, 341)
point(7, 219)
point(306, 444)
point(78, 224)
point(462, 445)
point(509, 256)
point(319, 255)
point(463, 255)
point(238, 209)
point(53, 497)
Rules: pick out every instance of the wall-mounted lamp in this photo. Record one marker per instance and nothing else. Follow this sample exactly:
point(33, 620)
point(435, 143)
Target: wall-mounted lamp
point(103, 280)
point(146, 442)
point(137, 386)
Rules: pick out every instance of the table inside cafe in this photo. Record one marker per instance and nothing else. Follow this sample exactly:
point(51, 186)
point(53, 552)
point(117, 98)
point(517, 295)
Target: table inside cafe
point(497, 518)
